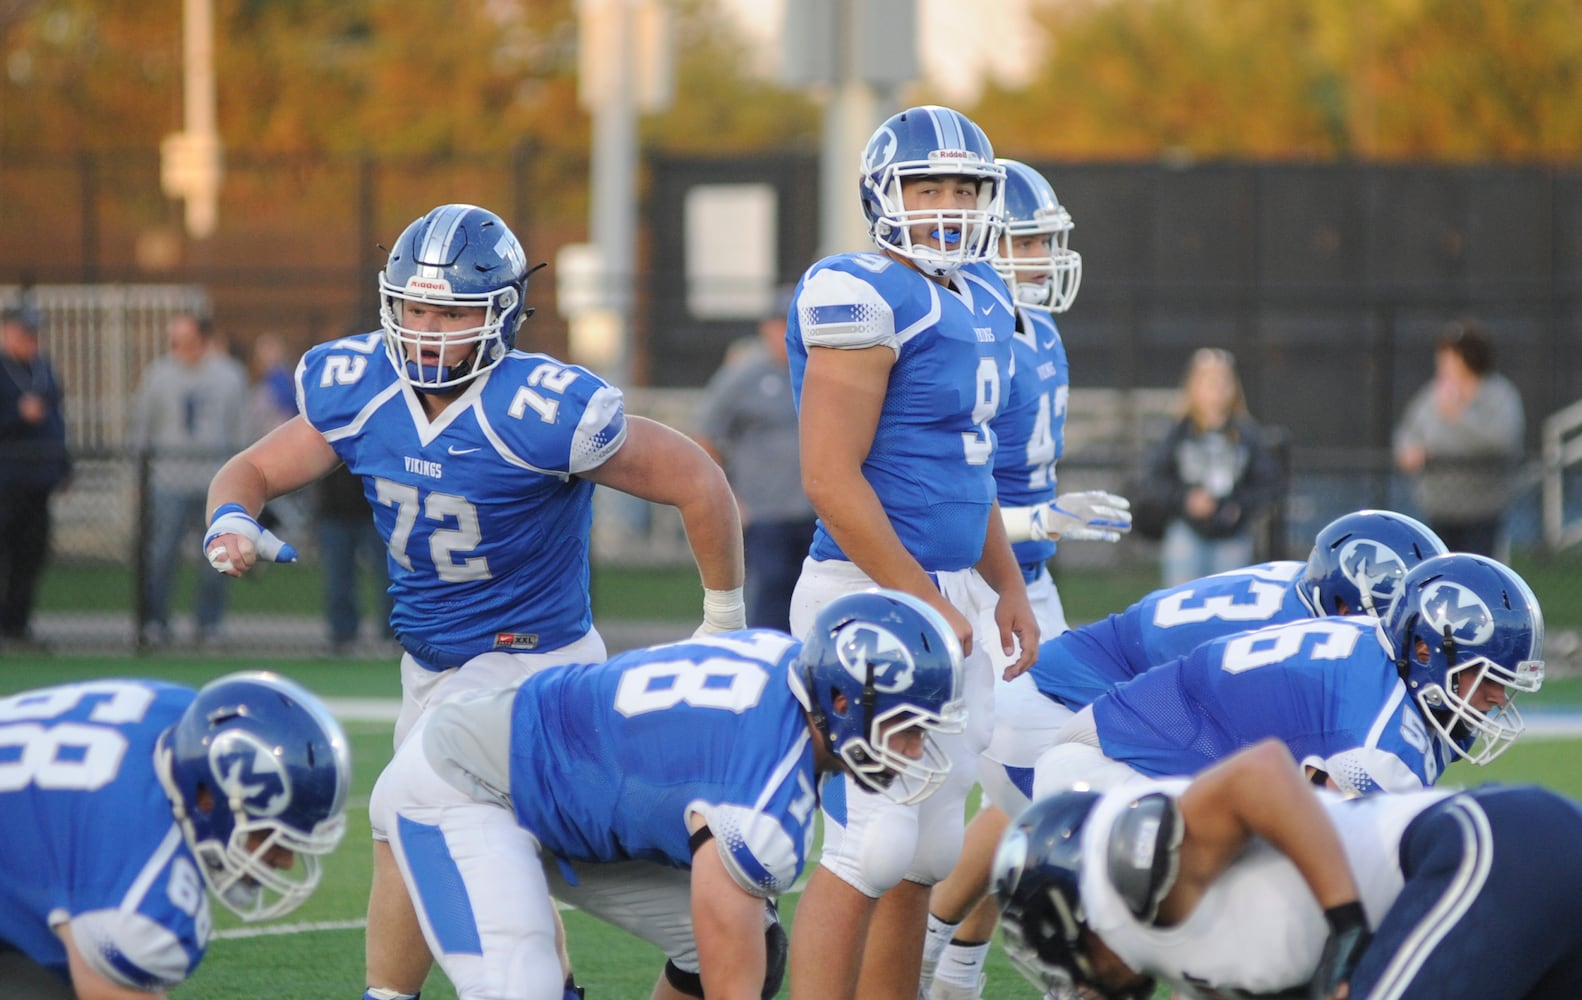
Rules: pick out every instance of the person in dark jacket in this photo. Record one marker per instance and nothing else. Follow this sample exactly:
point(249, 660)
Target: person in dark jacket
point(1213, 476)
point(34, 463)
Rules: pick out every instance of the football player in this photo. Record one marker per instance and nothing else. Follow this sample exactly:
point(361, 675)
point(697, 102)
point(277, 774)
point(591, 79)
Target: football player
point(1042, 273)
point(1357, 563)
point(1243, 882)
point(124, 800)
point(479, 461)
point(689, 769)
point(898, 364)
point(1365, 704)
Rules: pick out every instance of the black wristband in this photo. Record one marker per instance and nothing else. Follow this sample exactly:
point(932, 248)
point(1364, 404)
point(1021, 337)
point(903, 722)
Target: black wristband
point(702, 835)
point(1345, 917)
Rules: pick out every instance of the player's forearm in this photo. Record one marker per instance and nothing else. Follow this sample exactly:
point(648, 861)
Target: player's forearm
point(1275, 801)
point(998, 565)
point(239, 481)
point(714, 531)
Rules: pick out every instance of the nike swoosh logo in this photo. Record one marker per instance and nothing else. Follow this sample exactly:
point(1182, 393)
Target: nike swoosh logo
point(1049, 346)
point(462, 451)
point(988, 309)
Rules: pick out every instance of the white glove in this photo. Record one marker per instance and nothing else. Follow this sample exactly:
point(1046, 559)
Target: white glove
point(723, 611)
point(1092, 515)
point(233, 519)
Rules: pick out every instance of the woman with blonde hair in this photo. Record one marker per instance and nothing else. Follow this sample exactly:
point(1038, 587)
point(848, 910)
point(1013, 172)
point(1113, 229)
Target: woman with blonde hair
point(1213, 475)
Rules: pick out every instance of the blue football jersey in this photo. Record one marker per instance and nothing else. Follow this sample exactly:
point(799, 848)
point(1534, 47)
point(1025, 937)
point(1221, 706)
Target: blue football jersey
point(482, 510)
point(1077, 666)
point(931, 461)
point(1030, 428)
point(1326, 687)
point(89, 835)
point(608, 759)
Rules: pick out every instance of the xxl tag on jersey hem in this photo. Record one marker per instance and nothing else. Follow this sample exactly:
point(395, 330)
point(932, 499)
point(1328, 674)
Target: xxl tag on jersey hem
point(515, 640)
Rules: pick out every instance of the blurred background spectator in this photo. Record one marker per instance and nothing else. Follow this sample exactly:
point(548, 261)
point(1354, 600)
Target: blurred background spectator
point(189, 416)
point(34, 463)
point(1461, 441)
point(1211, 478)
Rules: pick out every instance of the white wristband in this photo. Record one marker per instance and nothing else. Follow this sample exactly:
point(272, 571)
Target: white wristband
point(723, 611)
point(1026, 524)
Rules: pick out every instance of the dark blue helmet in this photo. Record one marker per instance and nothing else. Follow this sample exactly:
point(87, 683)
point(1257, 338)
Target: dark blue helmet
point(1049, 277)
point(1036, 877)
point(932, 141)
point(879, 667)
point(1463, 620)
point(257, 763)
point(1359, 560)
point(455, 256)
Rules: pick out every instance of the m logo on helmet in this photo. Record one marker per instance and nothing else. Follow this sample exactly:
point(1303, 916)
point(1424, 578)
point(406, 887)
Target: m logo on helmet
point(247, 770)
point(1450, 604)
point(1374, 568)
point(860, 645)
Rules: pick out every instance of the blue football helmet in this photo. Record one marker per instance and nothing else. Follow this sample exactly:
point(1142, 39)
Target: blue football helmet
point(459, 256)
point(1036, 877)
point(1359, 559)
point(1047, 280)
point(932, 141)
point(257, 763)
point(1462, 622)
point(881, 668)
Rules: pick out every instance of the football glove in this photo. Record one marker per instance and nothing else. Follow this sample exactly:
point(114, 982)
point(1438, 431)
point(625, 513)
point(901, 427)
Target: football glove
point(1348, 939)
point(723, 611)
point(1092, 515)
point(233, 519)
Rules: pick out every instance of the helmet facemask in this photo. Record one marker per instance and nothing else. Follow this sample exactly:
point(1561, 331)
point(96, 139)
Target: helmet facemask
point(957, 236)
point(406, 346)
point(240, 875)
point(1048, 281)
point(879, 760)
point(1476, 735)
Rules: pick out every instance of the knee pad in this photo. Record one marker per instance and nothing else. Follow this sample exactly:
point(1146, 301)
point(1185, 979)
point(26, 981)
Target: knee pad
point(777, 948)
point(686, 983)
point(938, 849)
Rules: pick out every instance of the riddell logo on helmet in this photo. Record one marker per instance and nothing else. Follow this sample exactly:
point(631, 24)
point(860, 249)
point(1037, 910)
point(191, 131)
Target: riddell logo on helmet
point(417, 284)
point(953, 154)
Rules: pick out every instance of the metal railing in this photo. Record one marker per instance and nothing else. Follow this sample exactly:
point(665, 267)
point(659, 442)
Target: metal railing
point(1562, 454)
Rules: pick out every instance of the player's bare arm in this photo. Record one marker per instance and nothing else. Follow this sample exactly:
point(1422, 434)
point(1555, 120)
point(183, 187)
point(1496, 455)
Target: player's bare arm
point(661, 465)
point(728, 922)
point(843, 393)
point(1259, 792)
point(286, 459)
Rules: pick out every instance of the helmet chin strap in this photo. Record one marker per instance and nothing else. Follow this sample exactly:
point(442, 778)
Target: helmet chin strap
point(816, 709)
